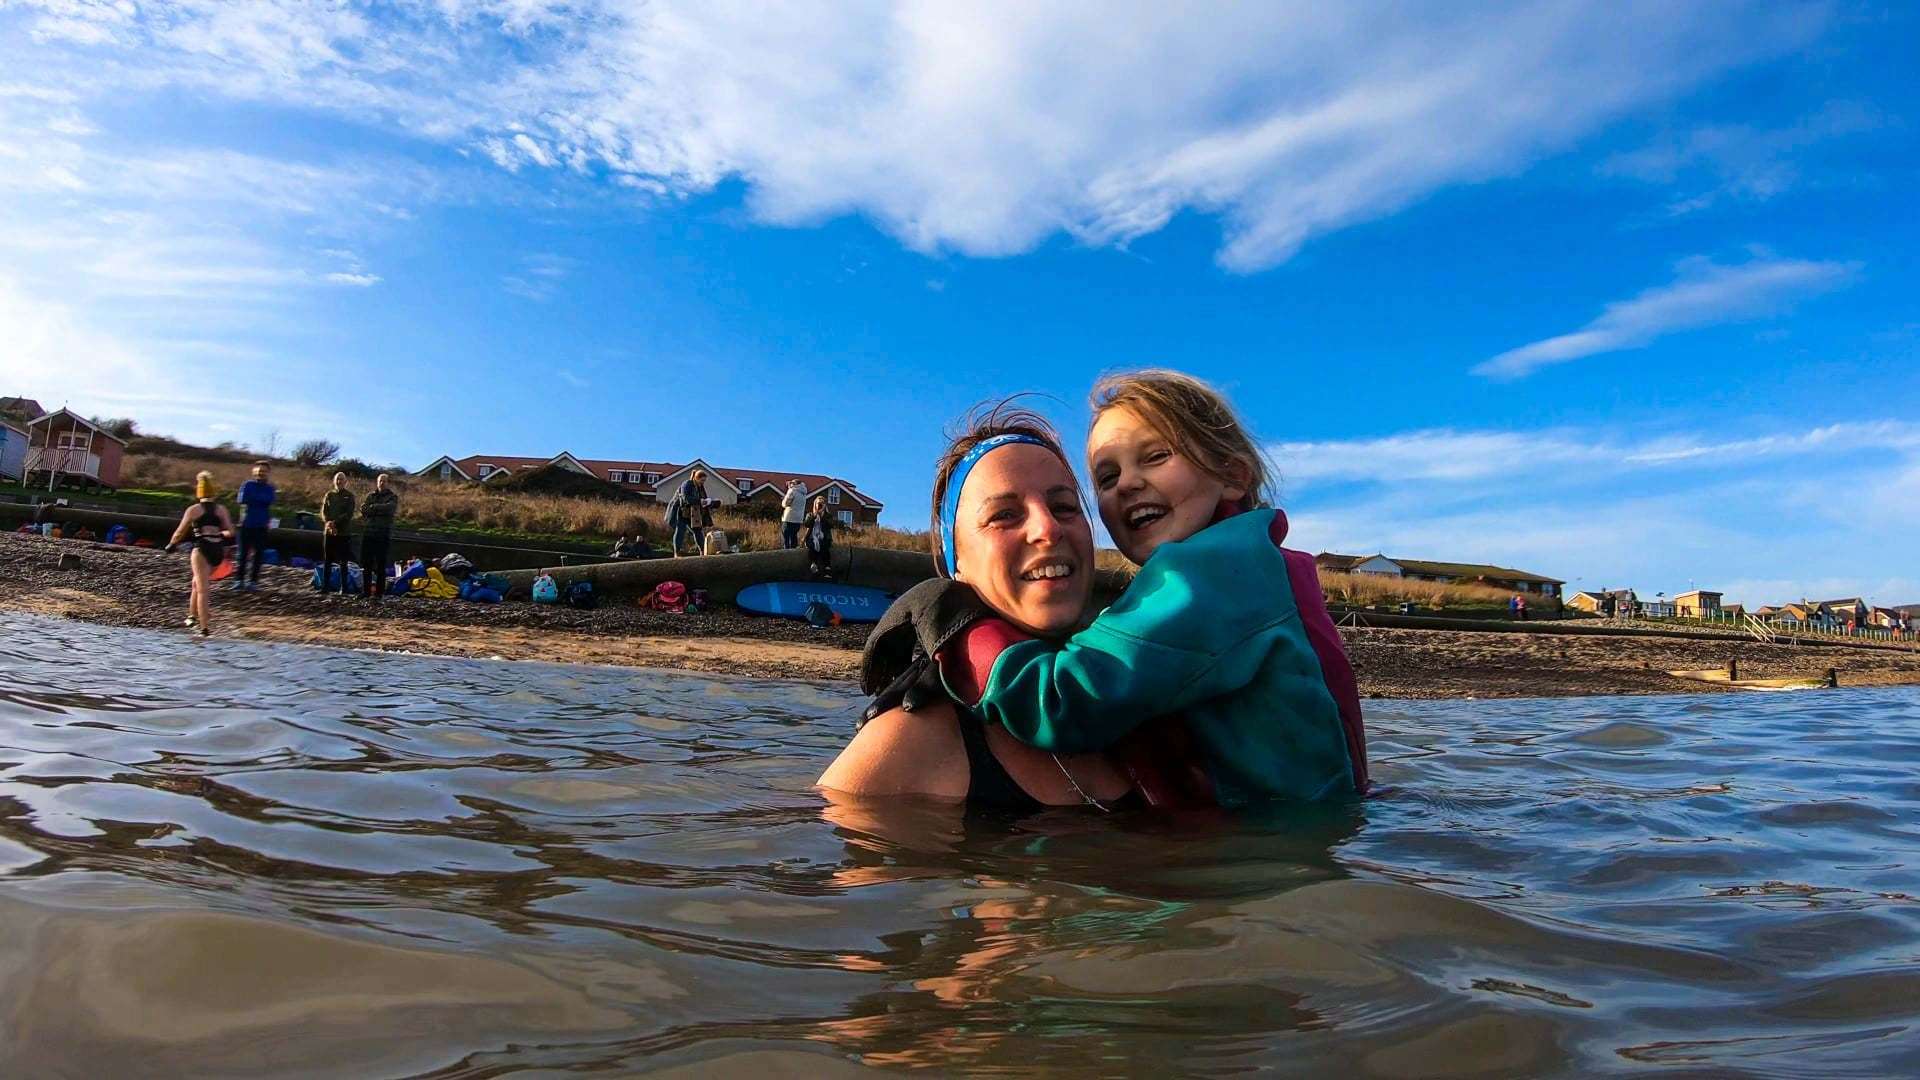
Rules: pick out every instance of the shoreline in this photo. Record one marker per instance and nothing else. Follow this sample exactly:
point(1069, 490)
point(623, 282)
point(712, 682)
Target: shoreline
point(143, 588)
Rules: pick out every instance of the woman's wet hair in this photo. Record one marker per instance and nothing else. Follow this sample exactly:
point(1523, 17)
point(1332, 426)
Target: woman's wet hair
point(983, 422)
point(1196, 420)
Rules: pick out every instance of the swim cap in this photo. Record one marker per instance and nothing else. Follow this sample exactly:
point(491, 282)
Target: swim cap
point(203, 487)
point(950, 504)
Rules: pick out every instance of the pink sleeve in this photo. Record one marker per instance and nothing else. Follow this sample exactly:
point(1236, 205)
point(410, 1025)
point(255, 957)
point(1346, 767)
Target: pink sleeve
point(1334, 665)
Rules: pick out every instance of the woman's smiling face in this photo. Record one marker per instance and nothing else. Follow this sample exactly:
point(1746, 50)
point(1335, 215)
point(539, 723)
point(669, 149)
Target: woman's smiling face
point(1022, 540)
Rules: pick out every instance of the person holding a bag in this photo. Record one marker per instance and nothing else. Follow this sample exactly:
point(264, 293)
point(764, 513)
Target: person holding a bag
point(690, 512)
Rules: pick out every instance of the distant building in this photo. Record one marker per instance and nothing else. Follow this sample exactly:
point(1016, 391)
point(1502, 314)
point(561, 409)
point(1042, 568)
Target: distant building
point(65, 449)
point(1850, 612)
point(1888, 619)
point(13, 451)
point(20, 410)
point(1498, 577)
point(1604, 601)
point(660, 480)
point(1697, 604)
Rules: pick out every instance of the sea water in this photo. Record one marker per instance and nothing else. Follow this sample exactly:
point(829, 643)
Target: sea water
point(219, 858)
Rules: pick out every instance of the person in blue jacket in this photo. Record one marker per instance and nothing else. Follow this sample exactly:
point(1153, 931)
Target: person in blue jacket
point(256, 504)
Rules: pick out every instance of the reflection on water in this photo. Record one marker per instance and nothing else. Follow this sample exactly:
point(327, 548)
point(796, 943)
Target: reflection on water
point(218, 858)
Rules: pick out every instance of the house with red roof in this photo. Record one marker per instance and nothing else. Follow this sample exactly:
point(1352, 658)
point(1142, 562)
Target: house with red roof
point(658, 480)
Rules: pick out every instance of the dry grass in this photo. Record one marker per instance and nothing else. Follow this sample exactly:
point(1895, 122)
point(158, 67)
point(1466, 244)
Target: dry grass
point(428, 503)
point(1362, 589)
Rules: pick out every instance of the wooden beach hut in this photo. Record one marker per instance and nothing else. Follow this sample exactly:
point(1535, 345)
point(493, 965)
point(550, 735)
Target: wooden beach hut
point(13, 451)
point(65, 449)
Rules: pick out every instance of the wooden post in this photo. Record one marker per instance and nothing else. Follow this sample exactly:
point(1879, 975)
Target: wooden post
point(1733, 669)
point(1833, 678)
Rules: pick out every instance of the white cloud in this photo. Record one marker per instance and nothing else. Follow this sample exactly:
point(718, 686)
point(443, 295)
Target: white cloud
point(1738, 161)
point(961, 127)
point(357, 280)
point(1704, 293)
point(538, 276)
point(1826, 510)
point(1453, 456)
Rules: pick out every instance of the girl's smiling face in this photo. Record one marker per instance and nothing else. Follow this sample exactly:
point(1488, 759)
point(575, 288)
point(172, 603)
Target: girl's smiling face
point(1022, 540)
point(1149, 492)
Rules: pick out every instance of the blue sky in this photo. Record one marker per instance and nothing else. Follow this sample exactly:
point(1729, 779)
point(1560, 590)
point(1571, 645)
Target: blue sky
point(1619, 293)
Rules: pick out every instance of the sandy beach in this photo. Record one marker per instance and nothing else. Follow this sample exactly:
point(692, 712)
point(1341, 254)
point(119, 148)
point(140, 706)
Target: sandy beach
point(144, 588)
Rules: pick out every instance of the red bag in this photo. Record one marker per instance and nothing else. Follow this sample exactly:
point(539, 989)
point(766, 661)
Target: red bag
point(666, 596)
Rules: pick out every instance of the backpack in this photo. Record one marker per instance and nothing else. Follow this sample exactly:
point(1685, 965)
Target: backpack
point(580, 595)
point(667, 596)
point(455, 565)
point(820, 616)
point(545, 591)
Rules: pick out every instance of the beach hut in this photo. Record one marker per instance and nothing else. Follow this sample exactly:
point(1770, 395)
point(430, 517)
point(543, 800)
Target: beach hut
point(66, 449)
point(13, 451)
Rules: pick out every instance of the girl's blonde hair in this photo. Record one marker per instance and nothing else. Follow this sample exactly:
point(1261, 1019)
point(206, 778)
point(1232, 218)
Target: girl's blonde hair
point(1196, 420)
point(203, 485)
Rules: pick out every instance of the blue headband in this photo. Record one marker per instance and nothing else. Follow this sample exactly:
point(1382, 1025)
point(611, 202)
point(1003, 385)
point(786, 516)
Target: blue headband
point(950, 504)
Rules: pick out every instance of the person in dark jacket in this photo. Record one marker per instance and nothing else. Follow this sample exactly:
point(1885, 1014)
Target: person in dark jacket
point(377, 534)
point(691, 512)
point(256, 501)
point(820, 539)
point(336, 517)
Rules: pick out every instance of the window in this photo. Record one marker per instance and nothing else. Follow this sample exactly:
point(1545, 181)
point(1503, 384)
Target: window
point(653, 477)
point(846, 517)
point(485, 470)
point(833, 496)
point(446, 472)
point(746, 485)
point(618, 476)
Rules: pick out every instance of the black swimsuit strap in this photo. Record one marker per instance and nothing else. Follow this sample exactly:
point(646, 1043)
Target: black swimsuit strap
point(988, 781)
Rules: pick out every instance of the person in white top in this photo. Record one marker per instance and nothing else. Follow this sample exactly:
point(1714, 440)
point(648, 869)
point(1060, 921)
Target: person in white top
point(793, 513)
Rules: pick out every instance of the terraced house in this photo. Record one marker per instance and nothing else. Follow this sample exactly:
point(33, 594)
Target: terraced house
point(759, 489)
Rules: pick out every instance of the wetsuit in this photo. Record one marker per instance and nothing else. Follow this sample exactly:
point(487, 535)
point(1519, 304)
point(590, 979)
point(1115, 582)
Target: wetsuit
point(1227, 629)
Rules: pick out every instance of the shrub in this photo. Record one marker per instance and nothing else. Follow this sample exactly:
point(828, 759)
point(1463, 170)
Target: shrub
point(315, 452)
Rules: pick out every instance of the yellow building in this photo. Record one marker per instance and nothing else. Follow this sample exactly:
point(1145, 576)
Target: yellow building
point(1698, 604)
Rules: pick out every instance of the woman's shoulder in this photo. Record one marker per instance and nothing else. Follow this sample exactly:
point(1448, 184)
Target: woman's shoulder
point(904, 753)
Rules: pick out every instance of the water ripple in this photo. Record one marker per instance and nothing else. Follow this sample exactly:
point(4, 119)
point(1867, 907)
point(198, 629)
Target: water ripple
point(220, 859)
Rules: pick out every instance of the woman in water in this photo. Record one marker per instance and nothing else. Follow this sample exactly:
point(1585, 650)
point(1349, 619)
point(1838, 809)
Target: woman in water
point(1222, 625)
point(208, 527)
point(1018, 535)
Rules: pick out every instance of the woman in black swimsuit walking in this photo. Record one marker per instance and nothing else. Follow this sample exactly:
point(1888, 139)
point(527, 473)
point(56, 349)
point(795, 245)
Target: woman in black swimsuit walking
point(208, 527)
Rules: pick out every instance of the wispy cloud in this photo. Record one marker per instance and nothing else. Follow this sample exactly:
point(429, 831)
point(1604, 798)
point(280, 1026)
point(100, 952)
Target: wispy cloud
point(1448, 455)
point(1704, 293)
point(1738, 162)
point(571, 379)
point(959, 129)
point(1765, 517)
point(538, 276)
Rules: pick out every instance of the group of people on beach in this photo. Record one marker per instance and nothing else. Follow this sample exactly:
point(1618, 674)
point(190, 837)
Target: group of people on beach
point(209, 528)
point(690, 517)
point(1216, 678)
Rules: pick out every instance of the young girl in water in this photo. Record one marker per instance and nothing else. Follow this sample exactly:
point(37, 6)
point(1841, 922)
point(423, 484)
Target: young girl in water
point(1222, 625)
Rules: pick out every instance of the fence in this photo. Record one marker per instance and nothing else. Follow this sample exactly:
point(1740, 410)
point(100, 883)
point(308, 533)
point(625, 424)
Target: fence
point(1660, 614)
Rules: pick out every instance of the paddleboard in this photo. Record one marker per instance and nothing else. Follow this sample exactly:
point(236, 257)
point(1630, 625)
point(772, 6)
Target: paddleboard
point(789, 599)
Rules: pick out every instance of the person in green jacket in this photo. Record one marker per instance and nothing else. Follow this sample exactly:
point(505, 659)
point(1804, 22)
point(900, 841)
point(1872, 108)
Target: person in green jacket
point(377, 535)
point(1222, 625)
point(336, 517)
